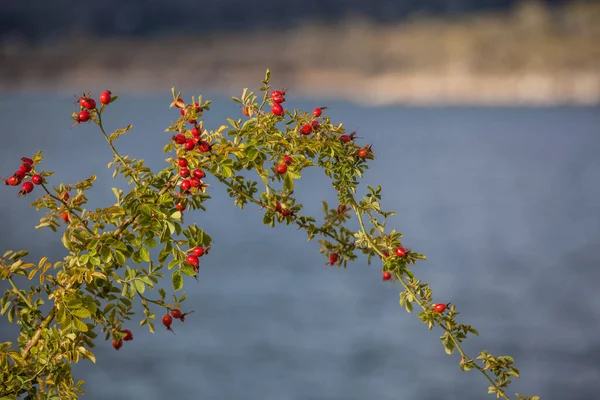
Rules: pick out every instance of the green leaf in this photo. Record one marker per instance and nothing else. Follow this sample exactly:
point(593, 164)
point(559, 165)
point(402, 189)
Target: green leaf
point(188, 270)
point(177, 280)
point(121, 259)
point(79, 325)
point(80, 313)
point(144, 254)
point(139, 286)
point(176, 216)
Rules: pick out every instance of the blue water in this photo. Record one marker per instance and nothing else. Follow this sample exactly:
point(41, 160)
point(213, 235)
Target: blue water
point(504, 202)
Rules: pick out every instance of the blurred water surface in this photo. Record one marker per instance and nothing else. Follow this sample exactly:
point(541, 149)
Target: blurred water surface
point(504, 202)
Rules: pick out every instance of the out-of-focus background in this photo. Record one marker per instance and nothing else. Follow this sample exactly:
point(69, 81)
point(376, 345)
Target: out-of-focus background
point(485, 123)
point(373, 52)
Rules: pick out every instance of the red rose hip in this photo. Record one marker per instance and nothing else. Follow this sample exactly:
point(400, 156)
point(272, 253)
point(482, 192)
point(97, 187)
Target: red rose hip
point(281, 169)
point(387, 275)
point(105, 97)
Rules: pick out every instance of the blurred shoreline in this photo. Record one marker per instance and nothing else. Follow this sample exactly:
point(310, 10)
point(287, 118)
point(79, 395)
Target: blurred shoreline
point(528, 56)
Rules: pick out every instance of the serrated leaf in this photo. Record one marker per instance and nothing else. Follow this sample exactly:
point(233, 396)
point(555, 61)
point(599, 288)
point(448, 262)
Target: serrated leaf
point(144, 254)
point(79, 325)
point(80, 312)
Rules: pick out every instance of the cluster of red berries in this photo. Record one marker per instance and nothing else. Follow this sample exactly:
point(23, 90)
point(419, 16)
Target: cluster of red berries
point(283, 211)
point(283, 166)
point(194, 257)
point(117, 344)
point(87, 104)
point(176, 313)
point(278, 97)
point(181, 105)
point(25, 170)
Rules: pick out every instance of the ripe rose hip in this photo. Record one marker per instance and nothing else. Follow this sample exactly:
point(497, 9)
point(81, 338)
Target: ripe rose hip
point(167, 320)
point(117, 344)
point(438, 308)
point(364, 152)
point(333, 258)
point(195, 182)
point(105, 97)
point(318, 111)
point(37, 179)
point(83, 116)
point(19, 174)
point(387, 275)
point(182, 162)
point(306, 130)
point(198, 173)
point(27, 160)
point(204, 147)
point(315, 124)
point(287, 160)
point(277, 109)
point(199, 251)
point(128, 335)
point(281, 169)
point(91, 104)
point(26, 167)
point(65, 217)
point(179, 138)
point(400, 252)
point(277, 96)
point(180, 206)
point(26, 188)
point(189, 145)
point(186, 185)
point(246, 111)
point(176, 313)
point(193, 259)
point(12, 181)
point(65, 196)
point(184, 172)
point(196, 132)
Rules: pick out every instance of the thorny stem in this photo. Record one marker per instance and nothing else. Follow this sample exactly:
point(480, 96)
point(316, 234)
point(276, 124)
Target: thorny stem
point(407, 287)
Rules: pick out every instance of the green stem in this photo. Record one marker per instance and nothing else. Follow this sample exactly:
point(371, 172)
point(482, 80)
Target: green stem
point(38, 334)
point(20, 293)
point(408, 289)
point(115, 150)
point(70, 210)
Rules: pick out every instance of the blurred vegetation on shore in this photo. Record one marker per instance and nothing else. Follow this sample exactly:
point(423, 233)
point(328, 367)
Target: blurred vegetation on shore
point(530, 55)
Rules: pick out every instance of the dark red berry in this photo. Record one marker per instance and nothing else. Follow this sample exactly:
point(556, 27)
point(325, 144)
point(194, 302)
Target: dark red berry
point(90, 104)
point(277, 96)
point(127, 332)
point(281, 169)
point(400, 252)
point(189, 145)
point(347, 138)
point(20, 174)
point(438, 308)
point(37, 179)
point(26, 167)
point(180, 206)
point(83, 116)
point(204, 147)
point(195, 182)
point(175, 313)
point(315, 124)
point(182, 162)
point(105, 97)
point(199, 251)
point(198, 173)
point(193, 259)
point(27, 160)
point(65, 217)
point(277, 109)
point(117, 344)
point(186, 185)
point(287, 160)
point(65, 196)
point(179, 138)
point(196, 132)
point(26, 188)
point(167, 320)
point(306, 129)
point(12, 181)
point(387, 275)
point(184, 172)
